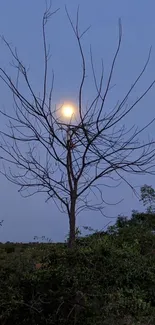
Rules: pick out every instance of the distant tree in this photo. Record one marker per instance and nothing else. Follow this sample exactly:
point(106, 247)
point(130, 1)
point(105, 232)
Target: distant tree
point(148, 197)
point(70, 161)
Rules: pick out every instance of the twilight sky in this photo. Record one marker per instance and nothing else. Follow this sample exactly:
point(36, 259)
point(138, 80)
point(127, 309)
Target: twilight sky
point(20, 23)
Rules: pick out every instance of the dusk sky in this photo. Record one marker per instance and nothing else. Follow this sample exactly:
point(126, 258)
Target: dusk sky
point(20, 23)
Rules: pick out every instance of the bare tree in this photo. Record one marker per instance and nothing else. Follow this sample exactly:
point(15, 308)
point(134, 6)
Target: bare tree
point(69, 161)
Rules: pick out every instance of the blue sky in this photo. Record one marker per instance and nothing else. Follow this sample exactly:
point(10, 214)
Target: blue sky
point(20, 23)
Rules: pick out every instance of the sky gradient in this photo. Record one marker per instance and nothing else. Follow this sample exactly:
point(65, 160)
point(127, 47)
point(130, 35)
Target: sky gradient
point(20, 23)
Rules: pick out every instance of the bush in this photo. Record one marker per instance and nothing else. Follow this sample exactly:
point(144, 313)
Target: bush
point(108, 278)
point(105, 281)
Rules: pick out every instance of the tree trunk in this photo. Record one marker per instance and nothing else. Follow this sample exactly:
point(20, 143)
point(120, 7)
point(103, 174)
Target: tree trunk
point(72, 226)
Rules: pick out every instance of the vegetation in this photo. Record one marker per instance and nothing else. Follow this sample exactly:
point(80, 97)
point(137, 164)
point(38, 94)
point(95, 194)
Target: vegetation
point(109, 278)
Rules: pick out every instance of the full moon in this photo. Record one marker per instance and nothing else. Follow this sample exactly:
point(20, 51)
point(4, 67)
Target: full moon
point(68, 111)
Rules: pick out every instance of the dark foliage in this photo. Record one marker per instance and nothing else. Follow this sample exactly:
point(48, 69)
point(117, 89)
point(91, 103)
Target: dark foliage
point(108, 279)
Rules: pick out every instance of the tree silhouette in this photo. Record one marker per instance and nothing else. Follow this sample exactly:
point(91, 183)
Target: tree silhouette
point(148, 197)
point(71, 161)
